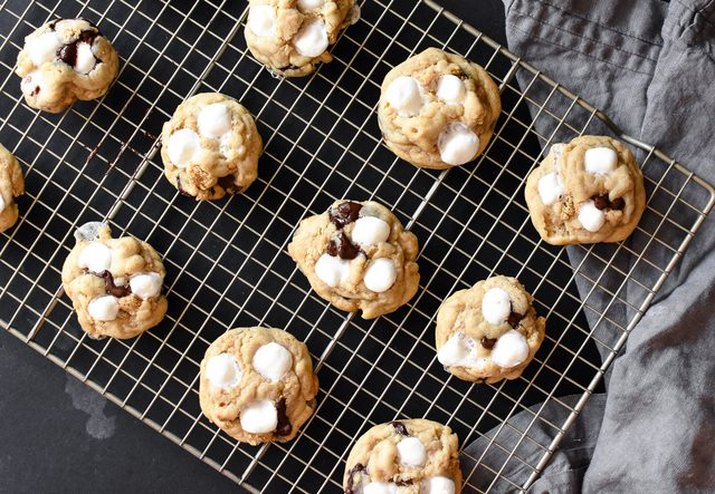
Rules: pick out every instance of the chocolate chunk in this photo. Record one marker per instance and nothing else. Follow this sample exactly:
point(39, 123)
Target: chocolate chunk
point(618, 203)
point(514, 319)
point(601, 201)
point(111, 288)
point(403, 483)
point(35, 91)
point(358, 468)
point(229, 184)
point(68, 53)
point(52, 25)
point(345, 213)
point(400, 428)
point(284, 426)
point(488, 343)
point(343, 247)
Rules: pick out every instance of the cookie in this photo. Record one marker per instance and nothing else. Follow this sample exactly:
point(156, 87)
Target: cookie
point(406, 457)
point(258, 385)
point(63, 61)
point(291, 37)
point(488, 332)
point(357, 255)
point(12, 185)
point(438, 110)
point(586, 191)
point(210, 147)
point(114, 283)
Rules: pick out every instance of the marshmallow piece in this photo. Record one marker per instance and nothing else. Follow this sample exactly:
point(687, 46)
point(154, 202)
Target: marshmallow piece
point(259, 417)
point(551, 188)
point(103, 308)
point(369, 230)
point(451, 90)
point(223, 371)
point(85, 60)
point(311, 40)
point(89, 231)
point(184, 146)
point(214, 120)
point(456, 350)
point(600, 161)
point(438, 485)
point(404, 94)
point(411, 452)
point(96, 257)
point(590, 217)
point(2, 204)
point(262, 20)
point(332, 270)
point(146, 285)
point(380, 275)
point(457, 144)
point(380, 488)
point(43, 48)
point(496, 306)
point(510, 349)
point(31, 82)
point(308, 5)
point(272, 361)
point(224, 144)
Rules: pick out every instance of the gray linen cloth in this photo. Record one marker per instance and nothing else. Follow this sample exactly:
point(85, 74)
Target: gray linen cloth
point(649, 65)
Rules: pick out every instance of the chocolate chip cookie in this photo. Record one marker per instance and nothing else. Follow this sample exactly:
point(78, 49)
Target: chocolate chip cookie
point(12, 185)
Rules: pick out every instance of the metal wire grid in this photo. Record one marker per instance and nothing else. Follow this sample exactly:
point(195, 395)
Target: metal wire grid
point(227, 264)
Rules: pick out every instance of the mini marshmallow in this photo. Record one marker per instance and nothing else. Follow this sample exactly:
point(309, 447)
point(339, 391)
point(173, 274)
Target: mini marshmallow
point(438, 485)
point(600, 161)
point(146, 285)
point(380, 488)
point(223, 371)
point(311, 40)
point(95, 257)
point(411, 452)
point(2, 204)
point(332, 270)
point(551, 188)
point(259, 417)
point(590, 217)
point(457, 144)
point(272, 361)
point(184, 146)
point(89, 231)
point(103, 308)
point(496, 306)
point(404, 94)
point(32, 81)
point(451, 90)
point(85, 60)
point(214, 120)
point(369, 230)
point(224, 144)
point(380, 275)
point(308, 5)
point(43, 48)
point(456, 350)
point(262, 20)
point(510, 349)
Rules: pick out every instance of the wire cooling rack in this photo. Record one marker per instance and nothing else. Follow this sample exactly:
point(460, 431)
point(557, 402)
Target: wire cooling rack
point(227, 262)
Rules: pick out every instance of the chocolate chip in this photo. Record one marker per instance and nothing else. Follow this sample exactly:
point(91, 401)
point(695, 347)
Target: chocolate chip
point(111, 288)
point(35, 91)
point(488, 343)
point(344, 213)
point(68, 53)
point(180, 188)
point(229, 184)
point(618, 203)
point(400, 428)
point(284, 426)
point(601, 201)
point(52, 25)
point(343, 247)
point(358, 468)
point(514, 319)
point(403, 483)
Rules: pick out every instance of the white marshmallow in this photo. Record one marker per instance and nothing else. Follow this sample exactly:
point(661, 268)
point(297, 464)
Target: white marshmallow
point(224, 144)
point(272, 361)
point(451, 90)
point(457, 350)
point(223, 371)
point(103, 308)
point(600, 161)
point(380, 275)
point(31, 82)
point(496, 306)
point(184, 146)
point(380, 488)
point(551, 188)
point(259, 417)
point(262, 20)
point(85, 60)
point(590, 217)
point(311, 40)
point(96, 257)
point(457, 144)
point(308, 5)
point(411, 452)
point(43, 48)
point(404, 94)
point(214, 120)
point(510, 349)
point(332, 270)
point(2, 204)
point(89, 231)
point(146, 285)
point(369, 230)
point(438, 485)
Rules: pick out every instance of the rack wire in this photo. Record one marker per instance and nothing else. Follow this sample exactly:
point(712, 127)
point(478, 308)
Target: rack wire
point(227, 263)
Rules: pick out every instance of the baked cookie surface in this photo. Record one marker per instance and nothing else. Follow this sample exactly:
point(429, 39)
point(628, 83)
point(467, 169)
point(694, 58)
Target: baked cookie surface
point(438, 110)
point(257, 384)
point(357, 255)
point(12, 185)
point(65, 60)
point(404, 457)
point(586, 191)
point(210, 147)
point(488, 332)
point(291, 37)
point(115, 284)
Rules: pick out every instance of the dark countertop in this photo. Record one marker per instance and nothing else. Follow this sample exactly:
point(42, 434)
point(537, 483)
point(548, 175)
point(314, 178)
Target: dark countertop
point(59, 435)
